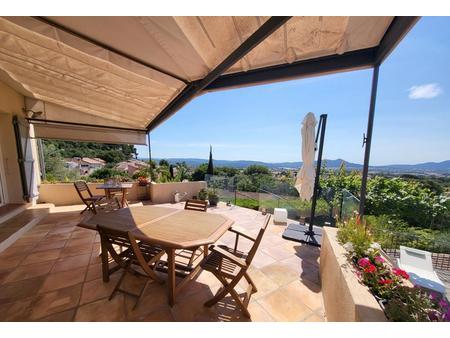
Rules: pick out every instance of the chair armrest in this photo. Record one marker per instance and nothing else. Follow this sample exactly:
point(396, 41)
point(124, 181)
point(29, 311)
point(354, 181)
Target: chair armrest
point(228, 255)
point(240, 231)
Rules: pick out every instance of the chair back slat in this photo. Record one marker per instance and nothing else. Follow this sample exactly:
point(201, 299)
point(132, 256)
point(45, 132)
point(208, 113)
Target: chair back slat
point(113, 237)
point(196, 205)
point(255, 246)
point(82, 188)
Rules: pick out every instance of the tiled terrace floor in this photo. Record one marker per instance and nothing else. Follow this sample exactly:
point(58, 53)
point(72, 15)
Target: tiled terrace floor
point(53, 273)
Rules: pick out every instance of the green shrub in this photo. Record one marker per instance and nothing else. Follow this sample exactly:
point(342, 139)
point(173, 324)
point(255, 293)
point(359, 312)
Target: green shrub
point(391, 232)
point(105, 173)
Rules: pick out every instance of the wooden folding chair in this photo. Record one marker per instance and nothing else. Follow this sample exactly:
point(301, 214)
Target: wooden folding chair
point(195, 205)
point(230, 265)
point(127, 252)
point(91, 201)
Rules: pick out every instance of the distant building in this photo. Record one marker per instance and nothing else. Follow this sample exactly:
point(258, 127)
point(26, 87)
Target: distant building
point(85, 165)
point(131, 166)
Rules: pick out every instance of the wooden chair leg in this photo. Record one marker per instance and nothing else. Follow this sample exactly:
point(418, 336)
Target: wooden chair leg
point(141, 294)
point(85, 209)
point(117, 287)
point(250, 281)
point(239, 302)
point(221, 293)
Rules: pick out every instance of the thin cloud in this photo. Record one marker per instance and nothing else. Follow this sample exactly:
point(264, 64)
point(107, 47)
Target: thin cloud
point(426, 91)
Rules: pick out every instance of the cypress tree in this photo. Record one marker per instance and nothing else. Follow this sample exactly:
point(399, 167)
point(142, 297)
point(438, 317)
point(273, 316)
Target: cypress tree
point(210, 170)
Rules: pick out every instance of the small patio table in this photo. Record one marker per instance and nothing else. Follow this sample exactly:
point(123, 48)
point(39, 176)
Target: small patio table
point(169, 228)
point(110, 187)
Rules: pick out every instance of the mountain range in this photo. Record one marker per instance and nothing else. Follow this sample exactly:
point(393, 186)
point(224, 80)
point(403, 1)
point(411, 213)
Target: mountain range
point(427, 167)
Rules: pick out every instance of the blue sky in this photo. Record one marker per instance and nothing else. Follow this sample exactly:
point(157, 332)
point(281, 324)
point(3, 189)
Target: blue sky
point(412, 120)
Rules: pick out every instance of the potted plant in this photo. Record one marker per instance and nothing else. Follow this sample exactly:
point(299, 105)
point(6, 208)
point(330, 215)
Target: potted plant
point(142, 181)
point(203, 195)
point(213, 198)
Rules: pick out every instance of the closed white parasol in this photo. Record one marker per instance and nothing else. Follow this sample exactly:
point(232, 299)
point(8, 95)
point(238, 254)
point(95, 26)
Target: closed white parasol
point(305, 177)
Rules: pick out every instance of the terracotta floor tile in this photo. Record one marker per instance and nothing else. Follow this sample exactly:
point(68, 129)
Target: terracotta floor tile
point(279, 252)
point(283, 308)
point(192, 309)
point(311, 297)
point(94, 272)
point(261, 260)
point(83, 233)
point(65, 316)
point(29, 271)
point(281, 273)
point(154, 297)
point(7, 263)
point(59, 280)
point(71, 263)
point(102, 310)
point(162, 314)
point(14, 291)
point(97, 289)
point(76, 250)
point(55, 302)
point(95, 257)
point(4, 274)
point(315, 318)
point(57, 237)
point(79, 241)
point(49, 244)
point(41, 256)
point(62, 230)
point(17, 311)
point(258, 314)
point(16, 250)
point(263, 283)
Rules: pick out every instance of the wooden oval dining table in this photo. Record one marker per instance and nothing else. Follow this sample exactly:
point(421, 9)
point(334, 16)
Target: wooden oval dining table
point(170, 228)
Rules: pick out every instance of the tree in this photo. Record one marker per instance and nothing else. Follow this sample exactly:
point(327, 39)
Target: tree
point(164, 163)
point(257, 169)
point(199, 172)
point(210, 169)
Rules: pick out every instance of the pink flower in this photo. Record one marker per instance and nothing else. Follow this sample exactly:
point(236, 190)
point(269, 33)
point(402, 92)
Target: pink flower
point(379, 260)
point(385, 281)
point(363, 262)
point(370, 268)
point(401, 273)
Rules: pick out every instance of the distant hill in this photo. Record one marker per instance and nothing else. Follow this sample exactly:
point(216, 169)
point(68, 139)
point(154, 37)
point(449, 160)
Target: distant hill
point(428, 167)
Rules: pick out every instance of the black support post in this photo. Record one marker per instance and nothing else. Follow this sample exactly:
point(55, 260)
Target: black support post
point(368, 140)
point(302, 232)
point(322, 127)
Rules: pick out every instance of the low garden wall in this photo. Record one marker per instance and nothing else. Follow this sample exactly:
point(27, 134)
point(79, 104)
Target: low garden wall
point(65, 194)
point(164, 192)
point(61, 194)
point(345, 299)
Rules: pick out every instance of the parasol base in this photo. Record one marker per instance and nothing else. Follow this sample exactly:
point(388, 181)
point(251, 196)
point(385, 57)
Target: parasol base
point(300, 233)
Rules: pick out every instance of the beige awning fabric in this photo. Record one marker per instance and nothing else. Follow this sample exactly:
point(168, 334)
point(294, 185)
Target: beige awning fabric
point(88, 74)
point(88, 134)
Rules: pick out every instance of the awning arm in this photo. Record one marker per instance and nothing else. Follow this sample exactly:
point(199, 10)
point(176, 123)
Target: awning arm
point(397, 30)
point(359, 59)
point(195, 88)
point(35, 120)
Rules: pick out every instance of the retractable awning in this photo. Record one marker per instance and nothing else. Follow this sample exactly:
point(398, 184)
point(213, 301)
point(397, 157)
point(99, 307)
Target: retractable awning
point(134, 72)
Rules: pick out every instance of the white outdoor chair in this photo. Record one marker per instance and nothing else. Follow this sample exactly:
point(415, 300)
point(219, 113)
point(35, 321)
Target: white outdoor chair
point(418, 264)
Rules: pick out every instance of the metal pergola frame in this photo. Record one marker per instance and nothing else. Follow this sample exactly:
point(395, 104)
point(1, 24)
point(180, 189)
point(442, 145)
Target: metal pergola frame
point(217, 80)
